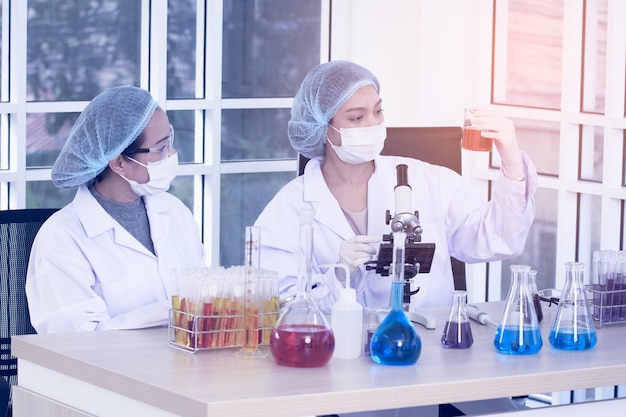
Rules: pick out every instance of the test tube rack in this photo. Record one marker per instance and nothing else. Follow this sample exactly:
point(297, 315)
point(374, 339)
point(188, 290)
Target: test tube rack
point(607, 306)
point(193, 333)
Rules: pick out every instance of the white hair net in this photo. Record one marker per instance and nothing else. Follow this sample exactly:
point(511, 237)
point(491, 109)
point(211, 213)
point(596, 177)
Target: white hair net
point(107, 126)
point(324, 90)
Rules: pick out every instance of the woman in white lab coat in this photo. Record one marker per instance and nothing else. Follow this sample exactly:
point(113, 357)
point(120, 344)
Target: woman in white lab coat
point(105, 260)
point(337, 120)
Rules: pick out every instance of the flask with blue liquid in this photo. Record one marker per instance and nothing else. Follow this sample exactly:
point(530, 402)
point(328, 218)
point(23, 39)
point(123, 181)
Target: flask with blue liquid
point(396, 341)
point(573, 328)
point(518, 332)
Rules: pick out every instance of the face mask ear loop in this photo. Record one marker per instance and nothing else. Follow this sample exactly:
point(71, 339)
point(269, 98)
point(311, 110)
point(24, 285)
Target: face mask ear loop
point(332, 145)
point(334, 128)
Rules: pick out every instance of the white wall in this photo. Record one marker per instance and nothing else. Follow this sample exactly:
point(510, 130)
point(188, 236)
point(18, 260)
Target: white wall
point(417, 49)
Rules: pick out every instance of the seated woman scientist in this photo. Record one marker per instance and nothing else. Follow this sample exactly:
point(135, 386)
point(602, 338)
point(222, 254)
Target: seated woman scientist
point(105, 260)
point(337, 120)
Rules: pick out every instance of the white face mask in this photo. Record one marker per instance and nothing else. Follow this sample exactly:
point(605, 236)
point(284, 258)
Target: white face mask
point(360, 144)
point(160, 176)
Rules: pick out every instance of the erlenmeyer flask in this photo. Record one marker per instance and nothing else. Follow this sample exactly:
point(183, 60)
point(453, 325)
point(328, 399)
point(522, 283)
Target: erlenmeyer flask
point(572, 328)
point(457, 333)
point(518, 332)
point(302, 337)
point(534, 293)
point(395, 341)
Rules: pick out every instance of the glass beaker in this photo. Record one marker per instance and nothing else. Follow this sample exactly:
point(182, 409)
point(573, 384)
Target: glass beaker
point(457, 333)
point(302, 337)
point(396, 341)
point(518, 332)
point(473, 139)
point(572, 328)
point(532, 282)
point(371, 323)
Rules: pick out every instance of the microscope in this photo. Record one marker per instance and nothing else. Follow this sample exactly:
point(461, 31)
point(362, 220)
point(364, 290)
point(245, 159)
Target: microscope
point(418, 256)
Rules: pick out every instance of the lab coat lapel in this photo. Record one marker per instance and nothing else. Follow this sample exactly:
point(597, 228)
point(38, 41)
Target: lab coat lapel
point(159, 229)
point(97, 221)
point(327, 210)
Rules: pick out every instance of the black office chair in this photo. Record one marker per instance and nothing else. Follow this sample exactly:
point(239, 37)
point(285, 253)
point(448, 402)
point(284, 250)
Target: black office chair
point(17, 232)
point(439, 145)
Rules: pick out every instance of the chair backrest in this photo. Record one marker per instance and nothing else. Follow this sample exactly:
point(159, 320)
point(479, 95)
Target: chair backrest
point(17, 232)
point(440, 145)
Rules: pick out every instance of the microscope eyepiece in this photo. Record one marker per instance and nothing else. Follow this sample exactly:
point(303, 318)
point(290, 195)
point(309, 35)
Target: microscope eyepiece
point(402, 175)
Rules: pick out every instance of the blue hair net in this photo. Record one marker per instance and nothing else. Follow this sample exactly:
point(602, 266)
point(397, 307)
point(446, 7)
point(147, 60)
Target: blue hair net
point(107, 126)
point(324, 90)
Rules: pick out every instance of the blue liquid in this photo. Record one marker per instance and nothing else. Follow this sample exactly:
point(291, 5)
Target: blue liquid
point(457, 335)
point(396, 342)
point(564, 339)
point(511, 341)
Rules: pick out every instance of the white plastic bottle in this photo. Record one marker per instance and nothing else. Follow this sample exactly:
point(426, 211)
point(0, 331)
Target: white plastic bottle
point(346, 319)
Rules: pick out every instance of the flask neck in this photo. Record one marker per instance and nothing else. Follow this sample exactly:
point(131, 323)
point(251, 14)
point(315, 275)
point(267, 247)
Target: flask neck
point(574, 277)
point(520, 281)
point(304, 262)
point(459, 299)
point(519, 298)
point(458, 311)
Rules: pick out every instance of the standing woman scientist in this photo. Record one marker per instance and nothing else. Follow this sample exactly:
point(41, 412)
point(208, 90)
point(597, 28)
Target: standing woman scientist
point(105, 260)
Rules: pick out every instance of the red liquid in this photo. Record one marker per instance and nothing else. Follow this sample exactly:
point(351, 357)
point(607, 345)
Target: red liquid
point(302, 345)
point(474, 141)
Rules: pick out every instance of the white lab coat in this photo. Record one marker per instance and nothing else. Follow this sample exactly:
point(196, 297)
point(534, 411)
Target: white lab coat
point(86, 272)
point(451, 215)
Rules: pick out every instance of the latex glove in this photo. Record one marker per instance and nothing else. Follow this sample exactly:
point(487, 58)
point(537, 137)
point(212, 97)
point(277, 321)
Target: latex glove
point(497, 127)
point(356, 251)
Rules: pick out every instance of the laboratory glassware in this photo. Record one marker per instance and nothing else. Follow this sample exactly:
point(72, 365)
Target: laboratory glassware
point(473, 139)
point(346, 319)
point(572, 328)
point(532, 282)
point(302, 337)
point(457, 332)
point(518, 331)
point(252, 296)
point(372, 321)
point(396, 341)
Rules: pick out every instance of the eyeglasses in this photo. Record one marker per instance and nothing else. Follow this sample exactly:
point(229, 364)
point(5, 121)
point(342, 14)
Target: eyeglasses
point(162, 150)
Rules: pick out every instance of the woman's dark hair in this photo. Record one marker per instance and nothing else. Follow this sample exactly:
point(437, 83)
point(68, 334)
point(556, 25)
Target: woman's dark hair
point(135, 144)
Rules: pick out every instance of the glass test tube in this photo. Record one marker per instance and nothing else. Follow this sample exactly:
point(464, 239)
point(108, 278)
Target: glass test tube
point(252, 295)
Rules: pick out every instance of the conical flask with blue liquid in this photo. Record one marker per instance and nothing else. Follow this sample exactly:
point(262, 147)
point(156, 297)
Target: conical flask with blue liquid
point(396, 341)
point(518, 332)
point(573, 328)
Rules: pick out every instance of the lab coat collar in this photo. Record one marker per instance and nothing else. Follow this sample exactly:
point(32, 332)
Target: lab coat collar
point(96, 220)
point(327, 209)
